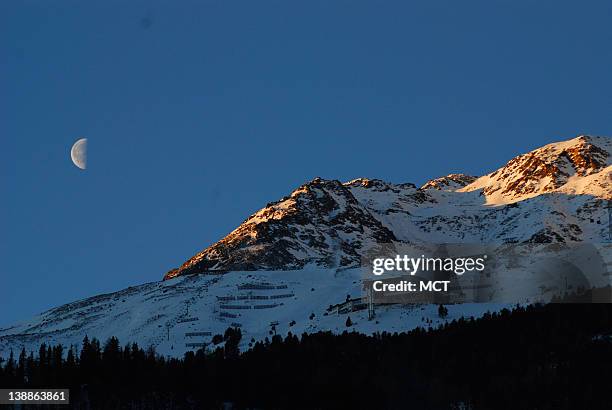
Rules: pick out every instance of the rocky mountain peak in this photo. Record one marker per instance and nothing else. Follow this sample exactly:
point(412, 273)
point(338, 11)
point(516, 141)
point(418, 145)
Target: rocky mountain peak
point(450, 182)
point(553, 167)
point(321, 222)
point(588, 154)
point(330, 224)
point(378, 185)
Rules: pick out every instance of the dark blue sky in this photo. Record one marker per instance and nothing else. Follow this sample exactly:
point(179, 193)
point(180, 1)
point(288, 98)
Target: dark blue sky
point(200, 113)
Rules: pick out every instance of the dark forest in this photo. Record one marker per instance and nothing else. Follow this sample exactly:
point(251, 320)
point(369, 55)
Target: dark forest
point(556, 356)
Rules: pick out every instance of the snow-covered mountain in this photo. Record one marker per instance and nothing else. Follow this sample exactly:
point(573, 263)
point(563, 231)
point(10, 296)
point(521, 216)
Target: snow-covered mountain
point(554, 193)
point(285, 265)
point(581, 166)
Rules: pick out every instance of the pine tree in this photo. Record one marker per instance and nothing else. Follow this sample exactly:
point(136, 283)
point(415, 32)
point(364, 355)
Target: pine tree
point(30, 368)
point(85, 348)
point(442, 311)
point(70, 359)
point(111, 352)
point(21, 367)
point(9, 367)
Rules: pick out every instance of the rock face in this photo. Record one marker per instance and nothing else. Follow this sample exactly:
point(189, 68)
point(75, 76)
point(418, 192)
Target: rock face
point(321, 222)
point(577, 166)
point(451, 182)
point(555, 193)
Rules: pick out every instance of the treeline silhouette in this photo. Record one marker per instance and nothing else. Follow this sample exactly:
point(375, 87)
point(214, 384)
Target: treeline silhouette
point(556, 356)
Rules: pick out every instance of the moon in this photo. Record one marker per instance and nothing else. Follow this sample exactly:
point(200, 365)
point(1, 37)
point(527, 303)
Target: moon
point(78, 153)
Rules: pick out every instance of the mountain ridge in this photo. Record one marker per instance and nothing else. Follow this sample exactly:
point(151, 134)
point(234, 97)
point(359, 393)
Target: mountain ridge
point(330, 223)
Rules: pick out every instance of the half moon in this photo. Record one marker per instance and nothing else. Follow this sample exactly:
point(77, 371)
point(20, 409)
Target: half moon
point(78, 153)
